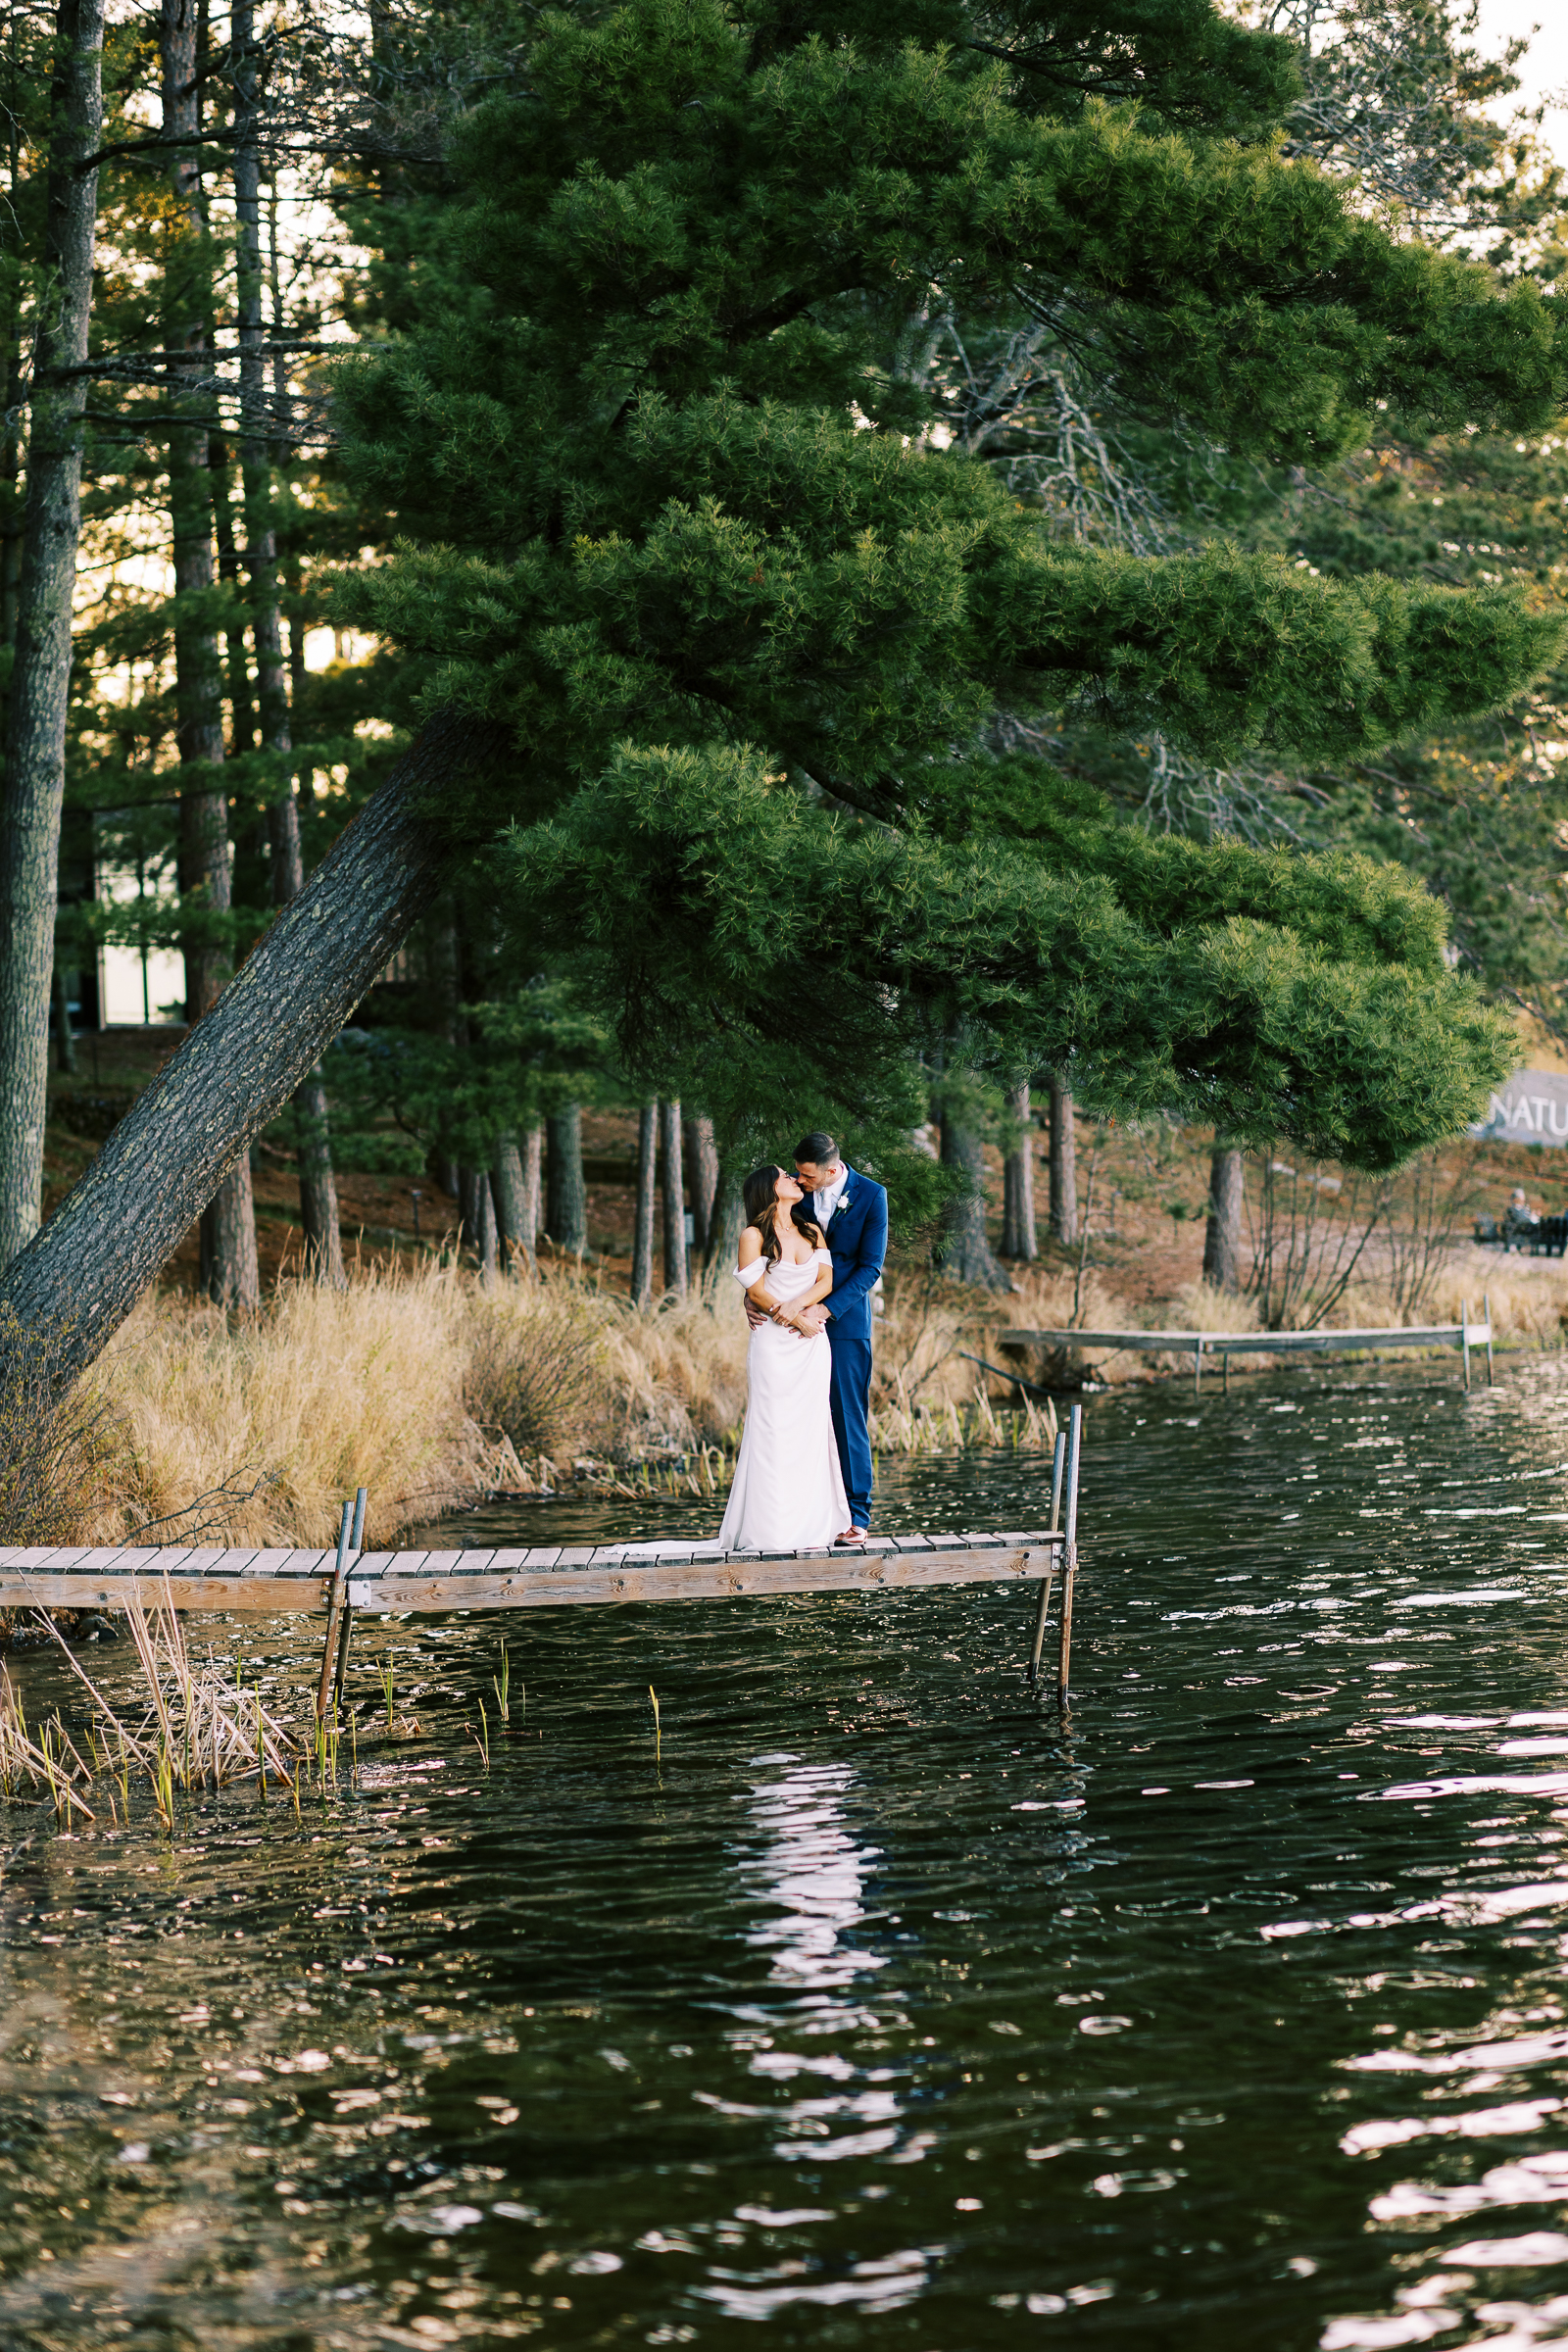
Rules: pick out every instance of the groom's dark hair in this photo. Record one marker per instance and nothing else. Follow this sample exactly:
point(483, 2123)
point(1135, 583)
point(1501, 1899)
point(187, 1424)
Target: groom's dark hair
point(817, 1148)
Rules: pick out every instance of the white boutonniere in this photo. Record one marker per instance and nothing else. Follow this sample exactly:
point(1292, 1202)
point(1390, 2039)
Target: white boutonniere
point(841, 1203)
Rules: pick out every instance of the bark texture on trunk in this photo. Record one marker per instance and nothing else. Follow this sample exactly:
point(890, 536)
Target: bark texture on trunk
point(702, 1161)
point(642, 1240)
point(1222, 1236)
point(318, 1209)
point(228, 1263)
point(673, 1186)
point(230, 1272)
point(484, 1226)
point(1064, 1204)
point(963, 1252)
point(514, 1226)
point(1019, 1238)
point(566, 1209)
point(533, 1184)
point(34, 783)
point(725, 1230)
point(164, 1160)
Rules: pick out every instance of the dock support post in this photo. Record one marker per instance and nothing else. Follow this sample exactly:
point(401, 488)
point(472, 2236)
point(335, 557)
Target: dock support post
point(1198, 1370)
point(1058, 1462)
point(1486, 1317)
point(1070, 1570)
point(356, 1546)
point(1225, 1360)
point(334, 1610)
point(1464, 1340)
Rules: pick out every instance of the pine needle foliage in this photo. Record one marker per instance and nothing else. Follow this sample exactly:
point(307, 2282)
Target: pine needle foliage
point(670, 518)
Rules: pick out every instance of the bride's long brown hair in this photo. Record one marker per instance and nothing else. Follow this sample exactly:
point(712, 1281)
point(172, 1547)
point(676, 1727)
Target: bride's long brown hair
point(760, 1201)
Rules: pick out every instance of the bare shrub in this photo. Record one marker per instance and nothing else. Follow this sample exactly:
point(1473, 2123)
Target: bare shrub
point(1426, 1211)
point(1310, 1231)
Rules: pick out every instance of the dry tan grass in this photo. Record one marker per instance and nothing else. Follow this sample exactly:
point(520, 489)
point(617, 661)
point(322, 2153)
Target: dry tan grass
point(327, 1390)
point(429, 1390)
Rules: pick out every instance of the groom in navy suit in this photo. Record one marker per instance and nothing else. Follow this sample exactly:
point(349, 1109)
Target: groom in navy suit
point(853, 1212)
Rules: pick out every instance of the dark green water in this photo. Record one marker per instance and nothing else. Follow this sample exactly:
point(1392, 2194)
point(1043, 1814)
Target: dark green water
point(876, 2009)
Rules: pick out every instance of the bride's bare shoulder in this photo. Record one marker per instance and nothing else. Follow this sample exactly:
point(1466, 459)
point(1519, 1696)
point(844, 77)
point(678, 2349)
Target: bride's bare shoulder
point(751, 1244)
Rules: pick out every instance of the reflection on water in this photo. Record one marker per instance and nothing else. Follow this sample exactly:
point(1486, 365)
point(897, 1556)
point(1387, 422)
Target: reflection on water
point(873, 2004)
point(813, 1870)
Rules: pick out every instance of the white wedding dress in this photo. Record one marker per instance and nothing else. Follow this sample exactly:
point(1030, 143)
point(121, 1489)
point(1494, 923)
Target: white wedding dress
point(789, 1489)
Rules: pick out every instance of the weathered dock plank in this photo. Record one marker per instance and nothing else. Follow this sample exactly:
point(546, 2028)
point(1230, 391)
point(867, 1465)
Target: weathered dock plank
point(550, 1576)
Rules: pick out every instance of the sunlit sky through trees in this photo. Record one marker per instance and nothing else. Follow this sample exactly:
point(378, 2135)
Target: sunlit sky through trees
point(1544, 70)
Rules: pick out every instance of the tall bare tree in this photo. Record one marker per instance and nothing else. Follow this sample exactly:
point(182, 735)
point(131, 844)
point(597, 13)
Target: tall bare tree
point(1018, 1237)
point(1064, 1165)
point(230, 1272)
point(40, 681)
point(642, 1245)
point(318, 1211)
point(1222, 1236)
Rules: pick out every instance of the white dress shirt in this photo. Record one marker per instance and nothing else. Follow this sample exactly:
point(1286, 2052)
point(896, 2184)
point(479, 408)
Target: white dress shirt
point(826, 1201)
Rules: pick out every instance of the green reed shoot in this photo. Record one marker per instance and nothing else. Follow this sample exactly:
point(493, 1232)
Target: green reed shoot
point(386, 1688)
point(654, 1696)
point(500, 1683)
point(482, 1738)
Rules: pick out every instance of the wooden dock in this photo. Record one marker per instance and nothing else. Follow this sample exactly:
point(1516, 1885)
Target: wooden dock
point(545, 1577)
point(1463, 1336)
point(346, 1580)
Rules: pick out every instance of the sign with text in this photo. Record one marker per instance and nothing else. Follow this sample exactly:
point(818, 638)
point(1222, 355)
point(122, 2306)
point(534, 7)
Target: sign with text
point(1531, 1108)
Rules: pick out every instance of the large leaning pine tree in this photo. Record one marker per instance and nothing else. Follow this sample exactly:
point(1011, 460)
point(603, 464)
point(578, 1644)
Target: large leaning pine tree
point(714, 629)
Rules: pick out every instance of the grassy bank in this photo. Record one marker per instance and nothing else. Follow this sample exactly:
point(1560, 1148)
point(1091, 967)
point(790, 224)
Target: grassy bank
point(432, 1391)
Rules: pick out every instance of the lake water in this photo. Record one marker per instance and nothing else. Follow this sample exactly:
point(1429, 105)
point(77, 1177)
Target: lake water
point(872, 2007)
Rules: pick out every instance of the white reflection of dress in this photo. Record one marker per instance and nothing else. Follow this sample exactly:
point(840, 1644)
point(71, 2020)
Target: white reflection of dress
point(789, 1489)
point(815, 1870)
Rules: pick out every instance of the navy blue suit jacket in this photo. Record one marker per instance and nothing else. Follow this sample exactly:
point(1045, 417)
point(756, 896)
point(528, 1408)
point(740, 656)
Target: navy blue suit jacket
point(857, 1238)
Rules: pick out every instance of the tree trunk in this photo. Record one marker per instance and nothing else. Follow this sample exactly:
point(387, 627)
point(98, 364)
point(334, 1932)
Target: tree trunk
point(642, 1239)
point(241, 704)
point(158, 1169)
point(483, 1225)
point(566, 1208)
point(1018, 1239)
point(229, 1265)
point(40, 680)
point(674, 1198)
point(963, 1252)
point(534, 1169)
point(514, 1224)
point(11, 431)
point(318, 1209)
point(702, 1159)
point(724, 1227)
point(1063, 1208)
point(312, 1126)
point(1222, 1238)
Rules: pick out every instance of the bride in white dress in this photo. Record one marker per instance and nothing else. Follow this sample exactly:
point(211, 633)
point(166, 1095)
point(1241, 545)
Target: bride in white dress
point(789, 1489)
